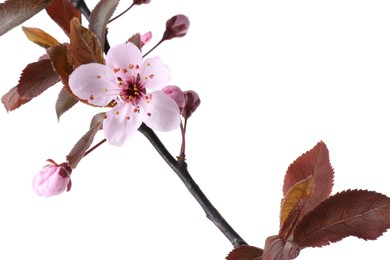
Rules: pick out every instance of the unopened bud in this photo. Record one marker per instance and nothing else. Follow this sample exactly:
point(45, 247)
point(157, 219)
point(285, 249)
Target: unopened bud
point(176, 27)
point(176, 94)
point(140, 2)
point(52, 180)
point(145, 38)
point(192, 103)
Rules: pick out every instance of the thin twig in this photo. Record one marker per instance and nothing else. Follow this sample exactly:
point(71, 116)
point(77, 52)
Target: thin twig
point(180, 168)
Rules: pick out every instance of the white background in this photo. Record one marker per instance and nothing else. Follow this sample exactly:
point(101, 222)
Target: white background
point(275, 77)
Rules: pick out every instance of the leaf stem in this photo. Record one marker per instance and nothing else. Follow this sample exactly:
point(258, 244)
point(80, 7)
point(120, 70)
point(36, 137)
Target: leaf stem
point(180, 168)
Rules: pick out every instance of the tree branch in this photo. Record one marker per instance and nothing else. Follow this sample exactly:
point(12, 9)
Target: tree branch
point(180, 168)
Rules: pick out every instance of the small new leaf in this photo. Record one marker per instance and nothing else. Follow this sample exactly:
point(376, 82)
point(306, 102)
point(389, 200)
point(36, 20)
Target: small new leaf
point(40, 37)
point(36, 78)
point(312, 163)
point(84, 47)
point(15, 12)
point(301, 191)
point(361, 213)
point(62, 12)
point(100, 16)
point(79, 149)
point(136, 40)
point(245, 253)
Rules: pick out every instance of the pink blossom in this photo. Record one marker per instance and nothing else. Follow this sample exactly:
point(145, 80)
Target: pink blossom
point(145, 38)
point(176, 94)
point(124, 81)
point(52, 180)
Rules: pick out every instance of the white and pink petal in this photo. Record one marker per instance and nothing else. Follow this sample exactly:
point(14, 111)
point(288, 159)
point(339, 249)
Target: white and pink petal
point(124, 60)
point(160, 112)
point(121, 123)
point(95, 83)
point(154, 74)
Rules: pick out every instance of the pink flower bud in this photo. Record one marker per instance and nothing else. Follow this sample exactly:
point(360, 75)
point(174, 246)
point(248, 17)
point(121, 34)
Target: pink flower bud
point(176, 94)
point(192, 103)
point(52, 180)
point(145, 38)
point(140, 2)
point(176, 27)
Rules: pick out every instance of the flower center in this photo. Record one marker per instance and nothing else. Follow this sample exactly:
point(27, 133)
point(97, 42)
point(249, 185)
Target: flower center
point(131, 90)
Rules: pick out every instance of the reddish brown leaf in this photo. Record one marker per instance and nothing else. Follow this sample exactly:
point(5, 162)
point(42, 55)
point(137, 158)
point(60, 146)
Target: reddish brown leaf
point(277, 248)
point(15, 12)
point(79, 149)
point(40, 37)
point(100, 16)
point(245, 253)
point(360, 213)
point(12, 100)
point(36, 78)
point(58, 55)
point(62, 12)
point(312, 163)
point(84, 46)
point(64, 103)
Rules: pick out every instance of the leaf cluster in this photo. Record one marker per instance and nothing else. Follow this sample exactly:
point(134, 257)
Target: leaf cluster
point(59, 59)
point(311, 217)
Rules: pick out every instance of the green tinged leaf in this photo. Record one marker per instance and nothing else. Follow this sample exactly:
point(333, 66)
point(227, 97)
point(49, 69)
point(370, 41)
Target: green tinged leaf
point(12, 100)
point(78, 151)
point(84, 47)
point(40, 37)
point(100, 16)
point(36, 78)
point(62, 12)
point(64, 103)
point(15, 12)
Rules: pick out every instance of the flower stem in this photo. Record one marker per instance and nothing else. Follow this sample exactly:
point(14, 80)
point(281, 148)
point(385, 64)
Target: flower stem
point(155, 46)
point(183, 128)
point(94, 147)
point(119, 15)
point(180, 168)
